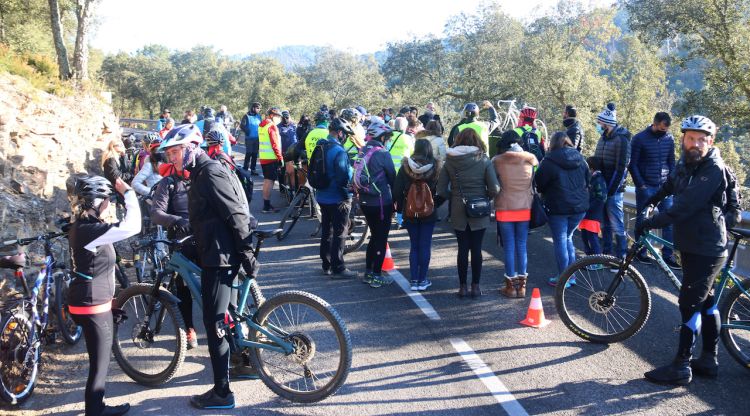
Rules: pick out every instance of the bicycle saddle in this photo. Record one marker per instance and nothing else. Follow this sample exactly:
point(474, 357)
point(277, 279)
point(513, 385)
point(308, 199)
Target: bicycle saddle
point(17, 261)
point(263, 234)
point(740, 232)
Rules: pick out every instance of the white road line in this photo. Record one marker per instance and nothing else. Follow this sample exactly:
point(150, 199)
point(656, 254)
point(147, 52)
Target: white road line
point(417, 297)
point(490, 380)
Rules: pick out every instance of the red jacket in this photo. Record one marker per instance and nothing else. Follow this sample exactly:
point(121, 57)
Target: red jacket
point(273, 133)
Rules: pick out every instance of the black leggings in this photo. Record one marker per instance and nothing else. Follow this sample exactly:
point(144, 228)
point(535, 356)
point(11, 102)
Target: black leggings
point(696, 302)
point(97, 330)
point(379, 230)
point(469, 240)
point(216, 292)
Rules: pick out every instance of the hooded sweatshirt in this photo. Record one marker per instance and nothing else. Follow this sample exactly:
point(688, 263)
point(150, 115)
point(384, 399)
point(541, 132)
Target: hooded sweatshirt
point(414, 170)
point(563, 180)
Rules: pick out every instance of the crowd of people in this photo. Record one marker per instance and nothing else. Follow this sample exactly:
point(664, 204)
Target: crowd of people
point(400, 169)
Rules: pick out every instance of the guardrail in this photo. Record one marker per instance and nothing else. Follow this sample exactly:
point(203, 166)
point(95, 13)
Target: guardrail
point(741, 261)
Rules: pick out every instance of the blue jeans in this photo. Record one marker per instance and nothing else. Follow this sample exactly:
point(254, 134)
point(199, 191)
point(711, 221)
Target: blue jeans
point(514, 235)
point(614, 221)
point(563, 227)
point(641, 196)
point(420, 237)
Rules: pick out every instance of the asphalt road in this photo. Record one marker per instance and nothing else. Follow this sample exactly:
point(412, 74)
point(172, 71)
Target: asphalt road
point(463, 357)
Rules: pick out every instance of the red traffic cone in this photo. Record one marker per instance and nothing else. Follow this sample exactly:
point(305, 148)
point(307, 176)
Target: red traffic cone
point(535, 315)
point(388, 264)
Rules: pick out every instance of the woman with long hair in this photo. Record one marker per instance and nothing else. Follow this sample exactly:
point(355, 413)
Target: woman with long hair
point(114, 164)
point(149, 175)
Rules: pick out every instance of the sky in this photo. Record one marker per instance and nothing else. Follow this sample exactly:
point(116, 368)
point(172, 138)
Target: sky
point(238, 27)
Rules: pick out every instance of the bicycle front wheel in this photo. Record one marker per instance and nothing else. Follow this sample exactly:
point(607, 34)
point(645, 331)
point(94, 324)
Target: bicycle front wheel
point(19, 357)
point(149, 348)
point(70, 331)
point(358, 232)
point(735, 323)
point(588, 311)
point(322, 354)
point(292, 214)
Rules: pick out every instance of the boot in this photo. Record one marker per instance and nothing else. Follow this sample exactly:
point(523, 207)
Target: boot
point(677, 373)
point(462, 291)
point(475, 290)
point(707, 365)
point(521, 285)
point(510, 287)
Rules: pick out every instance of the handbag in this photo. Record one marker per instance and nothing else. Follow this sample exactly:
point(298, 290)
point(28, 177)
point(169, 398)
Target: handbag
point(538, 212)
point(475, 206)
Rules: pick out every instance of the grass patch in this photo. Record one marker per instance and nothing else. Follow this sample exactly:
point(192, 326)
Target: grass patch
point(39, 70)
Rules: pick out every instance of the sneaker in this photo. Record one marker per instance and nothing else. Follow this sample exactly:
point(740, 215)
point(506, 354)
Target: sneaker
point(367, 278)
point(211, 400)
point(677, 373)
point(594, 267)
point(379, 281)
point(672, 262)
point(270, 210)
point(553, 282)
point(192, 339)
point(424, 284)
point(243, 372)
point(705, 366)
point(254, 172)
point(643, 258)
point(115, 410)
point(344, 274)
point(327, 272)
point(414, 285)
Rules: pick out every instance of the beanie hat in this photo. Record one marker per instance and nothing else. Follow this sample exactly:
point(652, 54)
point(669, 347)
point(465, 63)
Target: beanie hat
point(608, 116)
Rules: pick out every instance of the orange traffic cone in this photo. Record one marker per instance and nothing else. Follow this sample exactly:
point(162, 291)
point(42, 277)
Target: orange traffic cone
point(535, 316)
point(388, 264)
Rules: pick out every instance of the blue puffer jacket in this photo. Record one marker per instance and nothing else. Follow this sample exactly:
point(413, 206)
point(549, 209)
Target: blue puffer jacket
point(339, 171)
point(651, 158)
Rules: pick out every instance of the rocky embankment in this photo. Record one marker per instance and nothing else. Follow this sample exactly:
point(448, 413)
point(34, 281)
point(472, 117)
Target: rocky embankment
point(43, 139)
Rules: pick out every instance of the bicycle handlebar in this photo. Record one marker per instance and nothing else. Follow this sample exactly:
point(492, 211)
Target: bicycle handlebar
point(29, 240)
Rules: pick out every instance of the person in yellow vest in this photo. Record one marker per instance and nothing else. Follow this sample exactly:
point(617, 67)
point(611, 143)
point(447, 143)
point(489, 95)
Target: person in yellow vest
point(483, 128)
point(318, 133)
point(356, 142)
point(269, 154)
point(400, 145)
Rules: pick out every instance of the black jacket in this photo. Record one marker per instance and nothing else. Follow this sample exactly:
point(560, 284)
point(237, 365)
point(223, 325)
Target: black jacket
point(697, 207)
point(170, 201)
point(574, 130)
point(613, 150)
point(220, 222)
point(651, 158)
point(563, 179)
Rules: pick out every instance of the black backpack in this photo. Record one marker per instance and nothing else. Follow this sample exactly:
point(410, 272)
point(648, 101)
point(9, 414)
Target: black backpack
point(732, 205)
point(244, 175)
point(317, 175)
point(531, 143)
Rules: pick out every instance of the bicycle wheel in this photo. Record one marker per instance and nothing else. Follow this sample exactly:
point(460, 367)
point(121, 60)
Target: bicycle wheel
point(322, 353)
point(585, 308)
point(19, 357)
point(292, 214)
point(70, 331)
point(735, 323)
point(358, 232)
point(149, 349)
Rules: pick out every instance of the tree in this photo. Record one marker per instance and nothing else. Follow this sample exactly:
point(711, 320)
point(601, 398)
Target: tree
point(57, 35)
point(84, 16)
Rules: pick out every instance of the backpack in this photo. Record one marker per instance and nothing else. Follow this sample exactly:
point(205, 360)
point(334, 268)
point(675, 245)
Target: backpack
point(363, 182)
point(419, 202)
point(530, 142)
point(244, 176)
point(732, 206)
point(317, 175)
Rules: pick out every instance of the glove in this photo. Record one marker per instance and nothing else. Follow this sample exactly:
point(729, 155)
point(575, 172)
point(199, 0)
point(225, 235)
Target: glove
point(181, 227)
point(253, 224)
point(249, 264)
point(642, 227)
point(647, 211)
point(119, 316)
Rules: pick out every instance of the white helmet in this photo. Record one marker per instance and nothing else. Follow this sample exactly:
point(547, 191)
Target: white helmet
point(699, 123)
point(184, 134)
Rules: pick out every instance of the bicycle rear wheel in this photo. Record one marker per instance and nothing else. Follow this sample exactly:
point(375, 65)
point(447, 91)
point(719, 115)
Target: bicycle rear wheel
point(70, 331)
point(149, 349)
point(322, 354)
point(586, 309)
point(292, 214)
point(19, 358)
point(358, 232)
point(735, 323)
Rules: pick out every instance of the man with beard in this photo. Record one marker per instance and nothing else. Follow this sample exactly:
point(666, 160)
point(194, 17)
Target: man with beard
point(705, 204)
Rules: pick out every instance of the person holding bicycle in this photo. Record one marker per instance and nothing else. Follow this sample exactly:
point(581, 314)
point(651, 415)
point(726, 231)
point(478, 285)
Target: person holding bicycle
point(221, 227)
point(699, 185)
point(483, 128)
point(93, 271)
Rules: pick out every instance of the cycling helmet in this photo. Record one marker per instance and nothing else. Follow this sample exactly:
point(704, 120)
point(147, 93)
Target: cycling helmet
point(471, 110)
point(274, 111)
point(339, 124)
point(154, 144)
point(699, 123)
point(324, 108)
point(362, 110)
point(349, 114)
point(180, 135)
point(285, 114)
point(322, 116)
point(214, 137)
point(528, 113)
point(150, 137)
point(378, 129)
point(208, 112)
point(91, 189)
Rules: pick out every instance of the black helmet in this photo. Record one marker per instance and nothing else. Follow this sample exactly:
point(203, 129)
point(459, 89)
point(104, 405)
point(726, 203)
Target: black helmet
point(350, 115)
point(285, 114)
point(150, 136)
point(208, 112)
point(471, 110)
point(88, 188)
point(339, 124)
point(214, 137)
point(322, 116)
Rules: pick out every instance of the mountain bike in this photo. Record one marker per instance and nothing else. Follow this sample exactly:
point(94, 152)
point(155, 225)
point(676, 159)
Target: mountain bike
point(25, 327)
point(296, 341)
point(303, 196)
point(510, 119)
point(602, 307)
